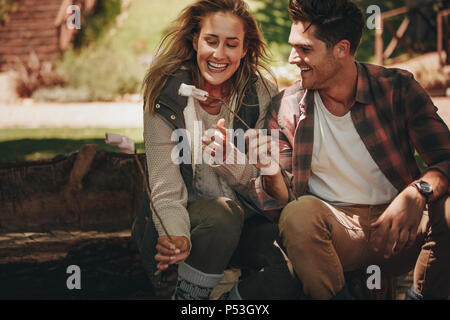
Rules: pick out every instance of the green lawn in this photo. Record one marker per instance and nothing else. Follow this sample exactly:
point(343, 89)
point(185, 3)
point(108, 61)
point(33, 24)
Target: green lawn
point(38, 144)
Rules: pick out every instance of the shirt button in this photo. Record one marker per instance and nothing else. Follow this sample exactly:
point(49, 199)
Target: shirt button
point(157, 106)
point(172, 117)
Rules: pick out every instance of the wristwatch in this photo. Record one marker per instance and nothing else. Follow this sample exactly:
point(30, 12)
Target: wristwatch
point(424, 188)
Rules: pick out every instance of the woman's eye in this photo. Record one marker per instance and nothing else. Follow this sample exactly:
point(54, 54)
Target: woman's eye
point(232, 45)
point(211, 42)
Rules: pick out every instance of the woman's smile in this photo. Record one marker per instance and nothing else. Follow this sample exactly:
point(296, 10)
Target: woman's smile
point(217, 67)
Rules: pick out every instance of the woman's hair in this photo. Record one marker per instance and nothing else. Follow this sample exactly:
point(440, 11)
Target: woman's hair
point(176, 49)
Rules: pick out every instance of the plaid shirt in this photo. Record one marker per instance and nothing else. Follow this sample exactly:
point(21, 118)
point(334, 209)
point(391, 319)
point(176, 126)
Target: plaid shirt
point(392, 114)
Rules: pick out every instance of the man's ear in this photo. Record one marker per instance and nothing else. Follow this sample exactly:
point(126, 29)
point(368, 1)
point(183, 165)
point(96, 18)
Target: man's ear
point(342, 48)
point(195, 41)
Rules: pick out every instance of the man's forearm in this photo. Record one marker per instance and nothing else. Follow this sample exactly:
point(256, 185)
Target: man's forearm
point(275, 186)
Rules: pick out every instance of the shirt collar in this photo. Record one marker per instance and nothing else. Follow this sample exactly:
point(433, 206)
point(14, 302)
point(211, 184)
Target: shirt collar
point(363, 94)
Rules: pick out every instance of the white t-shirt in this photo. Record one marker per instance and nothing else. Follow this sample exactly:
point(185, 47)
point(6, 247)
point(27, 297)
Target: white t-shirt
point(342, 170)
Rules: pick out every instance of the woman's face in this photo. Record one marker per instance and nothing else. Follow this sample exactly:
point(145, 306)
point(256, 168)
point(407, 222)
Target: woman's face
point(220, 47)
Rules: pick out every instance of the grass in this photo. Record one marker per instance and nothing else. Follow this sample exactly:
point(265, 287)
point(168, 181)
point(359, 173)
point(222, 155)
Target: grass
point(36, 144)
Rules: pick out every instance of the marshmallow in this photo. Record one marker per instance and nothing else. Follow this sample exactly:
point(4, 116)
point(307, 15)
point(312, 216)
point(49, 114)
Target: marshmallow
point(185, 90)
point(124, 143)
point(191, 91)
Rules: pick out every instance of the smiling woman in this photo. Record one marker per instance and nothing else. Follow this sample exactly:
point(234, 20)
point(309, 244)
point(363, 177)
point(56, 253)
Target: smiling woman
point(215, 46)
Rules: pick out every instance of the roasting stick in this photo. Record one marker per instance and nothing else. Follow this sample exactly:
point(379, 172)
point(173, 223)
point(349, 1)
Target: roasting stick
point(149, 194)
point(127, 145)
point(147, 188)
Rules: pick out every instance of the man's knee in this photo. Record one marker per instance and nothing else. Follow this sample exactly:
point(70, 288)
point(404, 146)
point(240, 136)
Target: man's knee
point(303, 215)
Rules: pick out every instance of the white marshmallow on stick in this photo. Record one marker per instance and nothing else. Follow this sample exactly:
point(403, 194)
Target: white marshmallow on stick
point(186, 90)
point(124, 143)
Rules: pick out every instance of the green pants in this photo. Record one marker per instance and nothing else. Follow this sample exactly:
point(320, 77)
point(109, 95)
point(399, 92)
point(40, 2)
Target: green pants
point(224, 234)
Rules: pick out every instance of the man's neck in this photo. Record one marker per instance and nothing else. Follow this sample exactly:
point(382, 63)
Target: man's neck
point(339, 97)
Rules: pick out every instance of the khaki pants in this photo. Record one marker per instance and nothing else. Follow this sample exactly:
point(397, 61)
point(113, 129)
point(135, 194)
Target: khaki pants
point(324, 241)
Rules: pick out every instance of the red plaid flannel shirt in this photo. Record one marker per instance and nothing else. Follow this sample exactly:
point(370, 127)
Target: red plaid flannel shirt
point(392, 114)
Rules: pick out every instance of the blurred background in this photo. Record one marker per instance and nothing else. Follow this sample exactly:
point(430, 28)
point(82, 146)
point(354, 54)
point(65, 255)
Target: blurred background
point(78, 83)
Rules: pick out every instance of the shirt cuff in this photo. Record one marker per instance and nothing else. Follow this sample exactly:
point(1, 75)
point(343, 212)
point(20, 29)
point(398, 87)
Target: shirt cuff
point(261, 198)
point(174, 226)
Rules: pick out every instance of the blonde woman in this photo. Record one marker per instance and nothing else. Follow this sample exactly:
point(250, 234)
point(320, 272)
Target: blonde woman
point(214, 45)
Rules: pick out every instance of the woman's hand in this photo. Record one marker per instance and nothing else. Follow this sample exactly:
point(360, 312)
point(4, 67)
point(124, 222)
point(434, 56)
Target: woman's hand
point(171, 253)
point(215, 142)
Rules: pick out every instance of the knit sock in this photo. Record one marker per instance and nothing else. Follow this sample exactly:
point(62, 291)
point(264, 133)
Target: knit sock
point(193, 284)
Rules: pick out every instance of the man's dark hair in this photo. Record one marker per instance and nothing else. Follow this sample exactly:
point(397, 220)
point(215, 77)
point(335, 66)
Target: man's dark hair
point(335, 20)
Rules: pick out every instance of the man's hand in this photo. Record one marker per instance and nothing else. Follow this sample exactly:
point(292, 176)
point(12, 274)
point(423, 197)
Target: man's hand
point(171, 253)
point(263, 152)
point(397, 227)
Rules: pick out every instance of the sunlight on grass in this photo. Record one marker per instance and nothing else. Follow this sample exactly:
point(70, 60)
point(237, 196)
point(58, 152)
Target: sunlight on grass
point(39, 156)
point(68, 133)
point(38, 144)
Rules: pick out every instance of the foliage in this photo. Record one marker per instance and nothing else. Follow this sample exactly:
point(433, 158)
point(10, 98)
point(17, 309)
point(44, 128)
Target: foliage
point(97, 23)
point(6, 7)
point(105, 73)
point(275, 23)
point(32, 74)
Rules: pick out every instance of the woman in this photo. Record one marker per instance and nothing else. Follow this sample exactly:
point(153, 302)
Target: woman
point(216, 46)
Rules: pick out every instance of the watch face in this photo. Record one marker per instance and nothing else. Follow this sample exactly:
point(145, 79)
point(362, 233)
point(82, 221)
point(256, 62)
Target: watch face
point(425, 187)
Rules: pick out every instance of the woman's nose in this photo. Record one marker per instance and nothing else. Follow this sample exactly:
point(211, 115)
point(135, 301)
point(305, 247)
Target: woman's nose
point(219, 52)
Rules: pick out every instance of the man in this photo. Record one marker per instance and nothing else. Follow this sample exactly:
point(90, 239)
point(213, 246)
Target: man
point(348, 133)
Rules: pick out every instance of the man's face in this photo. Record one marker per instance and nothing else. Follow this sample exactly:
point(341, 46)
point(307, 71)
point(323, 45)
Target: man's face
point(317, 63)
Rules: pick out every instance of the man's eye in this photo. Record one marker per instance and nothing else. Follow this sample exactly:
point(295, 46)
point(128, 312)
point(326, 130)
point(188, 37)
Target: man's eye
point(232, 45)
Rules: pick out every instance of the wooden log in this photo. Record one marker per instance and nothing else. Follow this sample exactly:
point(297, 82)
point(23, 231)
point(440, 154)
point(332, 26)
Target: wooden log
point(45, 195)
